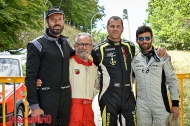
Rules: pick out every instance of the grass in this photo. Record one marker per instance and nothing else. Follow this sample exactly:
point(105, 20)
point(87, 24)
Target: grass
point(181, 63)
point(71, 33)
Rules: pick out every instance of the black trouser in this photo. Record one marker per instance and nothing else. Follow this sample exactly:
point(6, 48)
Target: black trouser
point(114, 108)
point(56, 103)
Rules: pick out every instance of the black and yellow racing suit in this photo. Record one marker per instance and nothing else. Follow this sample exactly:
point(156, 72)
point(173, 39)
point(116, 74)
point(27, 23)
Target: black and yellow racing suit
point(116, 99)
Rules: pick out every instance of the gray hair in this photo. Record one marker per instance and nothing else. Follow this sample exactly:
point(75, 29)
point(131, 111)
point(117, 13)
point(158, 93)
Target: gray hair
point(83, 34)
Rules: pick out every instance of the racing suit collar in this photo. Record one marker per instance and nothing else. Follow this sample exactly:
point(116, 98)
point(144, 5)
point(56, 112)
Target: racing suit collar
point(112, 42)
point(150, 54)
point(80, 61)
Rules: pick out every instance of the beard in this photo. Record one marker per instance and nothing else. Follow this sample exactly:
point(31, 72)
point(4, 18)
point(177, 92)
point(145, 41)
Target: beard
point(56, 31)
point(83, 54)
point(145, 48)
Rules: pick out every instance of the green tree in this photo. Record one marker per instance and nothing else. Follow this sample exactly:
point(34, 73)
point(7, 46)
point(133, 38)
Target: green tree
point(99, 36)
point(17, 16)
point(79, 12)
point(170, 22)
point(23, 20)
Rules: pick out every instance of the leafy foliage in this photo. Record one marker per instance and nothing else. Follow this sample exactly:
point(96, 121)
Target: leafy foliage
point(17, 16)
point(99, 36)
point(23, 20)
point(79, 13)
point(170, 22)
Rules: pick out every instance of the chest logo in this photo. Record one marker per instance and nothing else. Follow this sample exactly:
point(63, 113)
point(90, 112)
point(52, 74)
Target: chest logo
point(111, 54)
point(112, 62)
point(145, 70)
point(117, 84)
point(77, 71)
point(124, 56)
point(109, 49)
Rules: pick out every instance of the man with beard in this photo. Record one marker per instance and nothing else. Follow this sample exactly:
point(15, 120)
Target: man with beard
point(113, 58)
point(48, 59)
point(152, 74)
point(83, 79)
point(83, 73)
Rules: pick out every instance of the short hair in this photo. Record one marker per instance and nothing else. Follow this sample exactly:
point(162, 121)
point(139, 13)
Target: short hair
point(143, 29)
point(83, 34)
point(115, 18)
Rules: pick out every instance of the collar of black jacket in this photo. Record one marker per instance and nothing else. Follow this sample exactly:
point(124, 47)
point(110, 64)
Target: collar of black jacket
point(48, 36)
point(112, 42)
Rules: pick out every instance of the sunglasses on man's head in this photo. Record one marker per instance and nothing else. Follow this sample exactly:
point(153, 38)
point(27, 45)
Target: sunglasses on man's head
point(147, 38)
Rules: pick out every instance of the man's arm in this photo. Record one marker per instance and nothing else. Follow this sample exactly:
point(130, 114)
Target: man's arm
point(97, 81)
point(72, 51)
point(172, 81)
point(94, 58)
point(32, 68)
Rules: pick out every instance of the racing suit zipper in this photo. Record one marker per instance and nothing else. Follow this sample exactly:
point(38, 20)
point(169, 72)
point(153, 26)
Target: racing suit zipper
point(121, 58)
point(62, 59)
point(86, 69)
point(59, 47)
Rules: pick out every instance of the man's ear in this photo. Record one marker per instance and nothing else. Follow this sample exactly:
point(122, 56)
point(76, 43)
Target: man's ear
point(75, 46)
point(152, 39)
point(137, 41)
point(47, 23)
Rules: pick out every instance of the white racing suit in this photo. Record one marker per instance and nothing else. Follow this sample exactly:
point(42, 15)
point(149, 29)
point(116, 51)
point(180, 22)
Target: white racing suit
point(152, 101)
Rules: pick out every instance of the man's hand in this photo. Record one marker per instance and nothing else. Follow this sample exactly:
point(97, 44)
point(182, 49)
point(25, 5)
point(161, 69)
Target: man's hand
point(175, 111)
point(38, 83)
point(37, 112)
point(162, 52)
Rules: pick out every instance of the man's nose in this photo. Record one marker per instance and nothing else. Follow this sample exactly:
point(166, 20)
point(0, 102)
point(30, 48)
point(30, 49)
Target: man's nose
point(114, 28)
point(56, 21)
point(84, 46)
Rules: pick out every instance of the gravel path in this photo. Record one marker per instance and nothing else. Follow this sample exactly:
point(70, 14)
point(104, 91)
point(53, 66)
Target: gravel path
point(96, 109)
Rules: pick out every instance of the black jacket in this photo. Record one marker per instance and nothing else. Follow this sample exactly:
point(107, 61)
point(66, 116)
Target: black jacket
point(46, 61)
point(114, 63)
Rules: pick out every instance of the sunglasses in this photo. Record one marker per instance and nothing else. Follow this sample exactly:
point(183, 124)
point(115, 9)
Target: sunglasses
point(147, 38)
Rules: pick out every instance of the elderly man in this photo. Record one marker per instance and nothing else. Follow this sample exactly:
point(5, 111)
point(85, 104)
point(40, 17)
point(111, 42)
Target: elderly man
point(83, 73)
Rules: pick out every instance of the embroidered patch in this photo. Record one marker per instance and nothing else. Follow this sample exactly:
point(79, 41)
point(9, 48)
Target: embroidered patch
point(117, 84)
point(109, 49)
point(38, 45)
point(111, 54)
point(127, 85)
point(96, 48)
point(77, 71)
point(112, 61)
